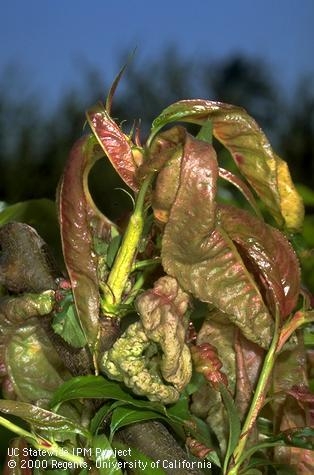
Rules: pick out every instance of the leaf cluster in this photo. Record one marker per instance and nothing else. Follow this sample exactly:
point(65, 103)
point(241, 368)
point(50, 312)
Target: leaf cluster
point(185, 314)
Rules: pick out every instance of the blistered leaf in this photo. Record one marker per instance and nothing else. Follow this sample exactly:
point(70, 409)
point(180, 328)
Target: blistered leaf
point(80, 220)
point(206, 361)
point(126, 362)
point(162, 312)
point(198, 252)
point(114, 143)
point(270, 253)
point(151, 357)
point(32, 364)
point(238, 132)
point(220, 332)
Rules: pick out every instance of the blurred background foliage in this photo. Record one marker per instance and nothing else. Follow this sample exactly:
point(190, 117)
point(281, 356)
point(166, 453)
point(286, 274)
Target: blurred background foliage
point(36, 139)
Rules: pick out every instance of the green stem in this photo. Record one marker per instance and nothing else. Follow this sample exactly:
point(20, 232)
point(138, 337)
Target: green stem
point(46, 446)
point(257, 402)
point(124, 260)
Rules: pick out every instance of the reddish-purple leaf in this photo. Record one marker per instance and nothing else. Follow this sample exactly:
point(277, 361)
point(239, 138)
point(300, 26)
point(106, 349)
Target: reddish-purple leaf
point(114, 143)
point(79, 219)
point(270, 254)
point(199, 253)
point(239, 133)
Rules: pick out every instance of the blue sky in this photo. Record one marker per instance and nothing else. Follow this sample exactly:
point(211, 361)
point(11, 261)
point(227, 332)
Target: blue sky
point(51, 39)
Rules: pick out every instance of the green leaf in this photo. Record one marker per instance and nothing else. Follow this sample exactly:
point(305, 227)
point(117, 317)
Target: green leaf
point(105, 459)
point(66, 324)
point(32, 363)
point(99, 417)
point(100, 388)
point(238, 132)
point(41, 419)
point(79, 222)
point(234, 423)
point(114, 143)
point(123, 416)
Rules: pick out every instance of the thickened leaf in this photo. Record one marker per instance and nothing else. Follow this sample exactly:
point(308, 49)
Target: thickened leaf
point(238, 132)
point(270, 253)
point(32, 363)
point(198, 252)
point(114, 143)
point(78, 215)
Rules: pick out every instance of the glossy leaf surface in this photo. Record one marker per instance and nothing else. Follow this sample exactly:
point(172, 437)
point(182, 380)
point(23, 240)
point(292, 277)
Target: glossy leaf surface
point(79, 221)
point(41, 419)
point(114, 143)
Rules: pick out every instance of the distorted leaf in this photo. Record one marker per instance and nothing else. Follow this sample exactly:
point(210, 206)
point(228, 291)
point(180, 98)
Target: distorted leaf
point(114, 143)
point(268, 251)
point(80, 220)
point(129, 361)
point(220, 332)
point(291, 413)
point(198, 252)
point(238, 132)
point(33, 364)
point(249, 359)
point(162, 311)
point(240, 185)
point(206, 361)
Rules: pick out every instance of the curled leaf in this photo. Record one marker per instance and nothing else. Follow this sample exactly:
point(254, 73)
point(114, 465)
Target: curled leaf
point(270, 253)
point(199, 253)
point(239, 133)
point(114, 143)
point(135, 358)
point(80, 222)
point(207, 362)
point(126, 362)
